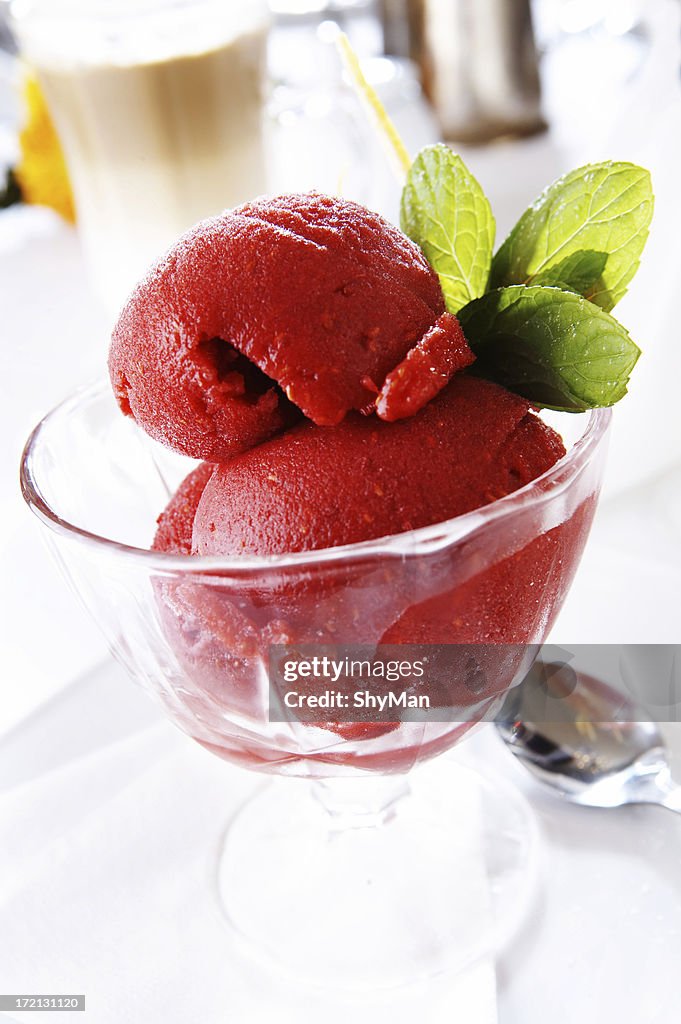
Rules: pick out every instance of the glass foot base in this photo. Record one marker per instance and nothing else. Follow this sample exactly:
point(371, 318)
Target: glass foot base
point(377, 882)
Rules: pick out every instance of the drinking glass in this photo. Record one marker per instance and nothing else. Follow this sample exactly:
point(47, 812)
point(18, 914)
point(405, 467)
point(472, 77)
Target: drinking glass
point(159, 109)
point(360, 871)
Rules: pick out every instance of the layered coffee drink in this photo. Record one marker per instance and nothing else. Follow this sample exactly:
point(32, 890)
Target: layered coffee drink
point(160, 127)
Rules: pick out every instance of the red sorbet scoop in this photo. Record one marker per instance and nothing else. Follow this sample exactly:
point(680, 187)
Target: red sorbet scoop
point(320, 487)
point(302, 299)
point(315, 487)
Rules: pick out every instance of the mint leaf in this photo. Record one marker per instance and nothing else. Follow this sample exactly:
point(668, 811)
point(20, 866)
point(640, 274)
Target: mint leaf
point(582, 272)
point(600, 208)
point(446, 213)
point(552, 347)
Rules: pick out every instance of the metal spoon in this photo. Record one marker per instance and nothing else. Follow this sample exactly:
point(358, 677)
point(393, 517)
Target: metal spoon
point(586, 740)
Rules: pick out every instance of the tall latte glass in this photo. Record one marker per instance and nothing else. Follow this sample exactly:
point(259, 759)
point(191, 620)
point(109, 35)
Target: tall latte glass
point(158, 105)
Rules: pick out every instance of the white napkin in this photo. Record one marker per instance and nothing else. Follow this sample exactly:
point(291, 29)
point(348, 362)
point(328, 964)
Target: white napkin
point(105, 890)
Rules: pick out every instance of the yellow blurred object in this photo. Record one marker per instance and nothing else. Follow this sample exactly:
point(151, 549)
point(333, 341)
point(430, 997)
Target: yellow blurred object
point(41, 171)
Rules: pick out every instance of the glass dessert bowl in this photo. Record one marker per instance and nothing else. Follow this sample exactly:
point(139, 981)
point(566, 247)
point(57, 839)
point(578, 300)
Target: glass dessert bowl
point(197, 632)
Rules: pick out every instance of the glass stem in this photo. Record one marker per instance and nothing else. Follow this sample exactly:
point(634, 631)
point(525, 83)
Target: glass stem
point(360, 802)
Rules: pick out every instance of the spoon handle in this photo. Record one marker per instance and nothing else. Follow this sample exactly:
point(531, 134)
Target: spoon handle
point(671, 797)
point(658, 788)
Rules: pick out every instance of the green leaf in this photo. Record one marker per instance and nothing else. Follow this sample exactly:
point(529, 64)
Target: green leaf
point(553, 347)
point(446, 213)
point(601, 208)
point(582, 272)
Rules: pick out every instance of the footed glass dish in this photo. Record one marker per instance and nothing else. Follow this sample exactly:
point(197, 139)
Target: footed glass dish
point(367, 874)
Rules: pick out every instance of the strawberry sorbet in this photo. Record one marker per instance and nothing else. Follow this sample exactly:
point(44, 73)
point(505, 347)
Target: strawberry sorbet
point(299, 304)
point(301, 347)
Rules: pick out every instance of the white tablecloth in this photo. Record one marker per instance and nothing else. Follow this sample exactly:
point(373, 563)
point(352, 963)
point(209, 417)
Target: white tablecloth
point(105, 876)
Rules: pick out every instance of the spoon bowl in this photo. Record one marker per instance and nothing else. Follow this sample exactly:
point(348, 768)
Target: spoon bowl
point(586, 741)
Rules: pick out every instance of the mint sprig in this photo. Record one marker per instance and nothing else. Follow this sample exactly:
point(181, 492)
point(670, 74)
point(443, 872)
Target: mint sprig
point(551, 346)
point(537, 316)
point(603, 209)
point(445, 211)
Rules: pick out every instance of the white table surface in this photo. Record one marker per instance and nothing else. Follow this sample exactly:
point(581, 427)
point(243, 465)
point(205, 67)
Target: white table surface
point(603, 941)
point(602, 938)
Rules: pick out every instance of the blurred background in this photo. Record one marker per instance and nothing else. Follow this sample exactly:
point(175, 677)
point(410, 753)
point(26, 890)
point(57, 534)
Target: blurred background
point(122, 122)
